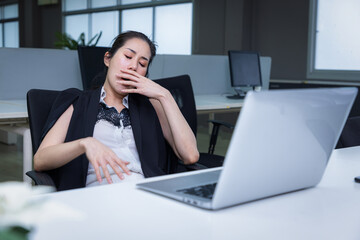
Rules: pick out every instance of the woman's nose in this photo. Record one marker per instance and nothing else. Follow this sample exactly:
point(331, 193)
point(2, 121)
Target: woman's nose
point(132, 66)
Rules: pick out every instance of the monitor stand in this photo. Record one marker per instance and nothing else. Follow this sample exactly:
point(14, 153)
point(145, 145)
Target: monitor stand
point(240, 94)
point(236, 96)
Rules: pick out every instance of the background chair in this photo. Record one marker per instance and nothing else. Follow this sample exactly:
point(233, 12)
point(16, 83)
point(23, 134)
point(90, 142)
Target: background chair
point(39, 103)
point(92, 67)
point(350, 135)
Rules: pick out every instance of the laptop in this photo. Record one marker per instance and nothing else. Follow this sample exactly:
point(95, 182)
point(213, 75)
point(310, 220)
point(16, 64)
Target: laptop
point(281, 143)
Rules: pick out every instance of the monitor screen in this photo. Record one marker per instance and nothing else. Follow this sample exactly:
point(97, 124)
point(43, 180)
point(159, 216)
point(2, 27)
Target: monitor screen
point(244, 69)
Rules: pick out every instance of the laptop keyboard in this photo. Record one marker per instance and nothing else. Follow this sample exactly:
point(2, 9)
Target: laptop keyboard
point(204, 191)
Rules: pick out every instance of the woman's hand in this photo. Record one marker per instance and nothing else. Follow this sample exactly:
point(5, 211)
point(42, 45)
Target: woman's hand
point(100, 156)
point(137, 83)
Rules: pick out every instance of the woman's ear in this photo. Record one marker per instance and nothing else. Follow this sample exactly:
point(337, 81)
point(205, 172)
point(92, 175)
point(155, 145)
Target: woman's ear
point(107, 59)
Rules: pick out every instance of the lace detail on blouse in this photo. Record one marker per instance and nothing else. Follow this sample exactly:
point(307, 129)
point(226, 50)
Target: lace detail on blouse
point(112, 116)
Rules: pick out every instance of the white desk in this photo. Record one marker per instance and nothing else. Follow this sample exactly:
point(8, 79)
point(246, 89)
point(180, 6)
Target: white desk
point(216, 103)
point(13, 118)
point(13, 111)
point(120, 211)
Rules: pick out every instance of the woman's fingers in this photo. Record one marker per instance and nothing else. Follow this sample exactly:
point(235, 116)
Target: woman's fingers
point(128, 83)
point(123, 165)
point(116, 170)
point(115, 167)
point(126, 77)
point(97, 172)
point(106, 172)
point(129, 75)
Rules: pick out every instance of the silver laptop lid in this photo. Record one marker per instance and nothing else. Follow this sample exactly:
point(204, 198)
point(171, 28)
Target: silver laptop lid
point(282, 142)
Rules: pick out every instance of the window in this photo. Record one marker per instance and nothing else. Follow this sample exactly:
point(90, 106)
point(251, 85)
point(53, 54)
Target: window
point(173, 28)
point(9, 26)
point(167, 22)
point(334, 49)
point(139, 19)
point(107, 23)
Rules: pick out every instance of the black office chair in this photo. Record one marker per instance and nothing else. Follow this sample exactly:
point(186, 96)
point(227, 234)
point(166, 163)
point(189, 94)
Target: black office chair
point(92, 67)
point(350, 135)
point(39, 103)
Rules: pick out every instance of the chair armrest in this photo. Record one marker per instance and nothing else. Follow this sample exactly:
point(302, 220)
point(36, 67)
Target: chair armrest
point(192, 167)
point(41, 178)
point(221, 123)
point(215, 132)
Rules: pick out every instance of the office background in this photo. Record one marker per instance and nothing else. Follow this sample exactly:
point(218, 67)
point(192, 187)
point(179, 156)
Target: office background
point(277, 28)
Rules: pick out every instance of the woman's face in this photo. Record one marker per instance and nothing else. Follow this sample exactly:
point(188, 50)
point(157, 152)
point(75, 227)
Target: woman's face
point(134, 55)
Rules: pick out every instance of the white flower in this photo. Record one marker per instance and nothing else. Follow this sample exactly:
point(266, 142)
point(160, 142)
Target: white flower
point(27, 208)
point(16, 206)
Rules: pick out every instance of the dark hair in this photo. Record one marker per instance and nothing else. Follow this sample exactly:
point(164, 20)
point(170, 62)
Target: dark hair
point(118, 42)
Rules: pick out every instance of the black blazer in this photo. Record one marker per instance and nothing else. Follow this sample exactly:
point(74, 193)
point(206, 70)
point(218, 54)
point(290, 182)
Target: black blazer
point(154, 152)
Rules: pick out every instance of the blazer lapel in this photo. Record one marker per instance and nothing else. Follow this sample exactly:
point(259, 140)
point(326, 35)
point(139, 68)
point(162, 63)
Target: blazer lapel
point(92, 111)
point(135, 122)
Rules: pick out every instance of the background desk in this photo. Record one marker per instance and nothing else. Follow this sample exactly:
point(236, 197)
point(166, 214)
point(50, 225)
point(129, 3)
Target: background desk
point(211, 103)
point(120, 211)
point(14, 118)
point(13, 111)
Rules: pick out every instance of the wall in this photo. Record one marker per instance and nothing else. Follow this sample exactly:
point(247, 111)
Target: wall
point(38, 24)
point(37, 68)
point(281, 31)
point(217, 26)
point(276, 28)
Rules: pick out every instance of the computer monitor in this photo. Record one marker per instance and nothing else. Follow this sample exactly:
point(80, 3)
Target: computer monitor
point(244, 71)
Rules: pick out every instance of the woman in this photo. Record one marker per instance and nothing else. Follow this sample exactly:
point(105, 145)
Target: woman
point(118, 132)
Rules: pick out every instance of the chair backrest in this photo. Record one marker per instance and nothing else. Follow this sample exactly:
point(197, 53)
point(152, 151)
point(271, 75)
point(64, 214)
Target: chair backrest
point(91, 60)
point(181, 89)
point(39, 103)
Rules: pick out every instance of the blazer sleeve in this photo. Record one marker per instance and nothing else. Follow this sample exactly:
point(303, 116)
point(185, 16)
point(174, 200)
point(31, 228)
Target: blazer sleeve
point(61, 103)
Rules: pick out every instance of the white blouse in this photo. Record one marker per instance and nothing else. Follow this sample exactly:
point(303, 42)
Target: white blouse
point(113, 129)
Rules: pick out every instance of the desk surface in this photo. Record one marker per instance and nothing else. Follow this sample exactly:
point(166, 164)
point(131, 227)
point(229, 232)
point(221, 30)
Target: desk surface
point(17, 109)
point(13, 109)
point(329, 211)
point(216, 102)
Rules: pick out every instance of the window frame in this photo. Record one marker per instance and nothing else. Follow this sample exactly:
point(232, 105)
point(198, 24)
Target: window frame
point(7, 20)
point(119, 7)
point(312, 73)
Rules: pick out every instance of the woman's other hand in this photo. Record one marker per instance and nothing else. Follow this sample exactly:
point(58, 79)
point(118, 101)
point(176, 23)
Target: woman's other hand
point(100, 155)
